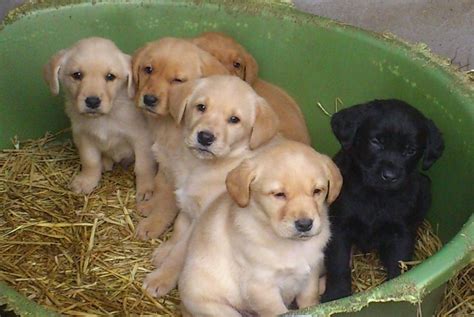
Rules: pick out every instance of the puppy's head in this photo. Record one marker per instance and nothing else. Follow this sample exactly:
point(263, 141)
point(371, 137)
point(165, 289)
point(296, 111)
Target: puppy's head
point(386, 139)
point(292, 184)
point(231, 54)
point(169, 62)
point(93, 72)
point(222, 116)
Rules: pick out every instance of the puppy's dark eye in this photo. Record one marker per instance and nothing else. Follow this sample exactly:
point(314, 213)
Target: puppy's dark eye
point(234, 120)
point(77, 76)
point(201, 108)
point(316, 191)
point(178, 81)
point(148, 69)
point(110, 77)
point(377, 143)
point(237, 65)
point(279, 195)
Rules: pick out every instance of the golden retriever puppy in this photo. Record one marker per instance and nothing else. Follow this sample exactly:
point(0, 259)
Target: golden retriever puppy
point(240, 63)
point(260, 246)
point(157, 68)
point(223, 120)
point(106, 127)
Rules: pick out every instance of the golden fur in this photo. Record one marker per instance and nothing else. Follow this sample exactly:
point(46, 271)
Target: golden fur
point(240, 63)
point(114, 130)
point(246, 254)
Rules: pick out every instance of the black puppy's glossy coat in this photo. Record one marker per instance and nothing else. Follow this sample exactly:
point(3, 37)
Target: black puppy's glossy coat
point(384, 198)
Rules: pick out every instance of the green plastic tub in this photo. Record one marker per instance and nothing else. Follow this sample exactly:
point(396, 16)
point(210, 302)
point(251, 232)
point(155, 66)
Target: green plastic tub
point(314, 59)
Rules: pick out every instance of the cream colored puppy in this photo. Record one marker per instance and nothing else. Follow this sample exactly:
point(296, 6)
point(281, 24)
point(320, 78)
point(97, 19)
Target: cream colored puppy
point(259, 247)
point(222, 120)
point(106, 127)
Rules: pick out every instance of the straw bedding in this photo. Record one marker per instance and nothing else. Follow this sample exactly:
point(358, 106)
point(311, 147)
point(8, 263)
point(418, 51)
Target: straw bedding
point(78, 255)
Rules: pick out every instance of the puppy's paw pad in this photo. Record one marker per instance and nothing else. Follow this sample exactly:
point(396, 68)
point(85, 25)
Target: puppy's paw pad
point(83, 184)
point(157, 284)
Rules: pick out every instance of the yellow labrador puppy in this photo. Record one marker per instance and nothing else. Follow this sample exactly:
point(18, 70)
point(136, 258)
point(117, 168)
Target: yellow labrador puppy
point(97, 79)
point(259, 247)
point(223, 120)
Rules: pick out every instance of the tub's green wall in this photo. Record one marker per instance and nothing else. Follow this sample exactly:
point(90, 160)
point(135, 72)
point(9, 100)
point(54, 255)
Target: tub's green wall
point(314, 59)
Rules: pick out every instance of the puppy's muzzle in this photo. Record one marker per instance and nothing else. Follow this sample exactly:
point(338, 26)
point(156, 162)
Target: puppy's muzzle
point(150, 101)
point(205, 138)
point(304, 224)
point(92, 102)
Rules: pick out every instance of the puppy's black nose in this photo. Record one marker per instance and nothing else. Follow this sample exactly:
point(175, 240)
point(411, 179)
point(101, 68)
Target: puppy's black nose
point(150, 100)
point(205, 138)
point(304, 224)
point(93, 102)
point(390, 175)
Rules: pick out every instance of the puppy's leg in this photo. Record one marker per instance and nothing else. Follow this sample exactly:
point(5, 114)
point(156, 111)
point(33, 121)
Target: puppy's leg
point(338, 275)
point(309, 296)
point(398, 248)
point(180, 229)
point(145, 170)
point(265, 298)
point(107, 163)
point(163, 213)
point(161, 281)
point(91, 166)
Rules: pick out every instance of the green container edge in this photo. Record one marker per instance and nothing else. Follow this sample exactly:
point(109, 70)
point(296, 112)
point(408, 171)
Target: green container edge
point(411, 287)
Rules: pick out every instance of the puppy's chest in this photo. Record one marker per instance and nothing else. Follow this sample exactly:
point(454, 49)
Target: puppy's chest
point(199, 189)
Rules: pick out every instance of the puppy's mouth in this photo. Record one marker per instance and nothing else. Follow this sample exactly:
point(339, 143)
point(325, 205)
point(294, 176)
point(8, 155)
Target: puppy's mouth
point(303, 236)
point(92, 113)
point(201, 152)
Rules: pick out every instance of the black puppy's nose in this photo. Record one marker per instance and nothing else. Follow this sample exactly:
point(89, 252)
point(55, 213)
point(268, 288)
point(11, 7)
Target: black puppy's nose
point(150, 100)
point(205, 138)
point(389, 175)
point(304, 224)
point(93, 102)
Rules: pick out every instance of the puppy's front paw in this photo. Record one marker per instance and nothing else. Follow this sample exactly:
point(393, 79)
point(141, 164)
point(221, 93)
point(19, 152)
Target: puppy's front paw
point(161, 253)
point(145, 207)
point(149, 228)
point(82, 184)
point(159, 282)
point(144, 195)
point(144, 190)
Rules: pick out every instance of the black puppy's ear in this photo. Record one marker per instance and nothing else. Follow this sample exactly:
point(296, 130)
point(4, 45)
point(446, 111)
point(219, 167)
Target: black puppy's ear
point(434, 145)
point(345, 123)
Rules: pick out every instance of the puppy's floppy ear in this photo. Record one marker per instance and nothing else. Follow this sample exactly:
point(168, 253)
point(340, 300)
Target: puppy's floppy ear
point(266, 124)
point(178, 99)
point(251, 68)
point(211, 65)
point(51, 71)
point(238, 183)
point(136, 60)
point(434, 145)
point(130, 85)
point(334, 177)
point(345, 123)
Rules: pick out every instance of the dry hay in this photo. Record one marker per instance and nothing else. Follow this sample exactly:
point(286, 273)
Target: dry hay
point(72, 253)
point(78, 255)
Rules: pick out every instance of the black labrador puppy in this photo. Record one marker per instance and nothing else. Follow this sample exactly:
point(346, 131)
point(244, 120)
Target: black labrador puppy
point(384, 198)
